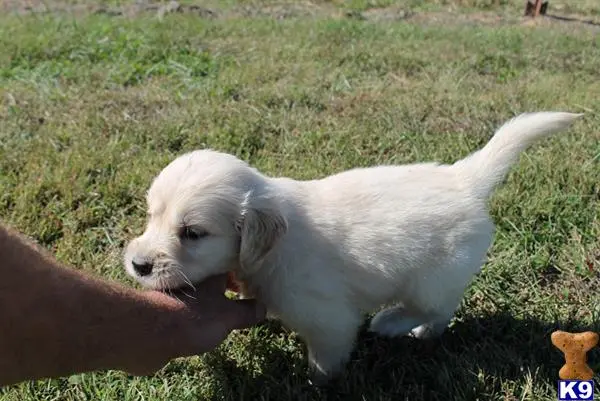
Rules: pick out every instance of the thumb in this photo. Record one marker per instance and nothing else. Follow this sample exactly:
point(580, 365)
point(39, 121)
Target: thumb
point(244, 313)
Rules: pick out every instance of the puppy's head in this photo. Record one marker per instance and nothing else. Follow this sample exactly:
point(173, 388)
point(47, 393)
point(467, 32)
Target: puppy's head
point(208, 213)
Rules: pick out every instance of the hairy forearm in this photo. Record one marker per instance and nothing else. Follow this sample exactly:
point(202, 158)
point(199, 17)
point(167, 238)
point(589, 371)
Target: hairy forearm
point(56, 321)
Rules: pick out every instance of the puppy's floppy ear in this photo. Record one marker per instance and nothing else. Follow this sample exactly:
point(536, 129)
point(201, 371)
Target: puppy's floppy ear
point(260, 225)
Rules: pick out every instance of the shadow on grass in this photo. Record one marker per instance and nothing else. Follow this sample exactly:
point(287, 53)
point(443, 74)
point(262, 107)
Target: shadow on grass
point(471, 360)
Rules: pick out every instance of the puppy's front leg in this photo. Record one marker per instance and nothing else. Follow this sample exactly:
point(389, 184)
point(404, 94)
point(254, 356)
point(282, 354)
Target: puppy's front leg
point(328, 358)
point(330, 338)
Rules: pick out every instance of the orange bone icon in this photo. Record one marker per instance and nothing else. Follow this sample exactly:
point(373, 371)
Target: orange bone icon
point(575, 347)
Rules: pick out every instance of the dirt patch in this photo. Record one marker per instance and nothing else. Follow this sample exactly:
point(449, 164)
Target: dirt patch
point(293, 10)
point(277, 11)
point(499, 19)
point(304, 9)
point(392, 13)
point(453, 18)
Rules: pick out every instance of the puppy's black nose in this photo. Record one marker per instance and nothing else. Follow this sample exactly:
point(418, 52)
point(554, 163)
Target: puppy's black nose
point(143, 269)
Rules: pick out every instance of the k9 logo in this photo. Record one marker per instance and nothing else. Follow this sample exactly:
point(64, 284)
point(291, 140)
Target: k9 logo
point(575, 390)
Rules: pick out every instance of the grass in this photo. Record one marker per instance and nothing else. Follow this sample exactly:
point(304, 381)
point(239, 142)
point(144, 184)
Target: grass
point(94, 105)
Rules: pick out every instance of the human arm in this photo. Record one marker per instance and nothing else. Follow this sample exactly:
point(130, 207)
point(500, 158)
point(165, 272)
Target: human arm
point(56, 321)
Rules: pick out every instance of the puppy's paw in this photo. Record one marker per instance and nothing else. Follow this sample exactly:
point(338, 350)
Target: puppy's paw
point(320, 375)
point(392, 322)
point(319, 379)
point(428, 331)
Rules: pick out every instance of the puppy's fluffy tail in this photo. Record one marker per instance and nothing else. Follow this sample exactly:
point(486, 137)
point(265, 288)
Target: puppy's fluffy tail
point(487, 167)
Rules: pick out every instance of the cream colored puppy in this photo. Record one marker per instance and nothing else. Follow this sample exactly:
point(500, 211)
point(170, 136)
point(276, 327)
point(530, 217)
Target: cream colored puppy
point(321, 253)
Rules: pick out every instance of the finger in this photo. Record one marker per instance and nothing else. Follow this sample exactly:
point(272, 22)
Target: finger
point(244, 313)
point(213, 285)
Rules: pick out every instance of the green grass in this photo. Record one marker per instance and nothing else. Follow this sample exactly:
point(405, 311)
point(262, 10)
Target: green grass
point(93, 106)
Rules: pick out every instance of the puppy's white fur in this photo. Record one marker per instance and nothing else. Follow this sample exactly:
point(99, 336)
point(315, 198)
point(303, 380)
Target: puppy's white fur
point(321, 253)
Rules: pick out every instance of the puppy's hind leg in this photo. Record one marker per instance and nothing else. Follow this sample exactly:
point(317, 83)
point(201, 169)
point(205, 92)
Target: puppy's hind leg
point(436, 297)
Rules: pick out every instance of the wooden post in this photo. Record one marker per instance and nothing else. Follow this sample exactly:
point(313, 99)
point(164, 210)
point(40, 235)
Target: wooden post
point(534, 9)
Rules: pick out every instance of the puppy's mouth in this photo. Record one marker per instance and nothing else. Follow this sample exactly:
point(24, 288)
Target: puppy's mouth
point(232, 285)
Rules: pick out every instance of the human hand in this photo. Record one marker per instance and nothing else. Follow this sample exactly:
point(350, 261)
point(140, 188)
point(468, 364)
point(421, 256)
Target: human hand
point(215, 315)
point(197, 322)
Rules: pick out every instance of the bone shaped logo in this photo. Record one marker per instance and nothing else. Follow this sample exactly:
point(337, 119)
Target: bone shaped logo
point(575, 347)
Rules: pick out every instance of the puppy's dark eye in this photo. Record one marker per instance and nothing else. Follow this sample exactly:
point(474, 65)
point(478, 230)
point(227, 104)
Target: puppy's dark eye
point(191, 233)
